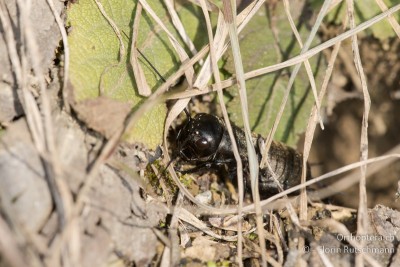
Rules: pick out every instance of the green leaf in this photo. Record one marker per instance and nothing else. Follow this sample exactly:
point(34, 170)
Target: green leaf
point(95, 65)
point(151, 122)
point(365, 10)
point(259, 49)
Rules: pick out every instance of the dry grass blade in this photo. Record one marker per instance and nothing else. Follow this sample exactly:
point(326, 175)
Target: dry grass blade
point(157, 96)
point(324, 258)
point(279, 239)
point(115, 28)
point(263, 163)
point(292, 79)
point(248, 13)
point(39, 120)
point(29, 104)
point(141, 82)
point(334, 4)
point(323, 177)
point(389, 157)
point(297, 59)
point(64, 36)
point(362, 218)
point(219, 41)
point(189, 72)
point(206, 71)
point(173, 231)
point(120, 41)
point(174, 112)
point(188, 217)
point(393, 22)
point(312, 121)
point(179, 26)
point(306, 62)
point(354, 177)
point(58, 188)
point(239, 165)
point(230, 18)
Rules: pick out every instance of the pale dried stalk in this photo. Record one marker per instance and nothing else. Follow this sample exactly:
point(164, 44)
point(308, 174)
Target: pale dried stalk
point(334, 4)
point(246, 15)
point(64, 36)
point(324, 177)
point(121, 50)
point(230, 18)
point(350, 69)
point(205, 73)
point(39, 121)
point(141, 82)
point(59, 190)
point(354, 177)
point(327, 192)
point(325, 260)
point(19, 69)
point(306, 62)
point(279, 237)
point(295, 60)
point(293, 75)
point(303, 196)
point(173, 231)
point(239, 165)
point(115, 28)
point(312, 121)
point(219, 41)
point(393, 22)
point(189, 72)
point(179, 26)
point(311, 125)
point(188, 217)
point(174, 112)
point(323, 46)
point(362, 216)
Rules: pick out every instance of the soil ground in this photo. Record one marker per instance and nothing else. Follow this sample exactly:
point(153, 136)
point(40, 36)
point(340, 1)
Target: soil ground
point(338, 144)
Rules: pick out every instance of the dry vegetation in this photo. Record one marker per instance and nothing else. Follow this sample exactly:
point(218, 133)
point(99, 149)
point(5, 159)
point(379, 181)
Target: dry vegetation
point(71, 196)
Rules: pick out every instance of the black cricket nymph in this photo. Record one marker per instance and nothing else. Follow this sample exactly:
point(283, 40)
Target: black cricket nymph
point(204, 142)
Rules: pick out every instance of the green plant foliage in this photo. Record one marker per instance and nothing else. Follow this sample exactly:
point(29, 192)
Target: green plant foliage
point(259, 48)
point(365, 10)
point(95, 65)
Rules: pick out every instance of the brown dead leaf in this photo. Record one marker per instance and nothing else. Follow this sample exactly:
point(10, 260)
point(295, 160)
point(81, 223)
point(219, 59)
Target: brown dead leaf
point(103, 114)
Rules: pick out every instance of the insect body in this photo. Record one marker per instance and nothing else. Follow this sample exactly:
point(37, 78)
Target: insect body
point(204, 141)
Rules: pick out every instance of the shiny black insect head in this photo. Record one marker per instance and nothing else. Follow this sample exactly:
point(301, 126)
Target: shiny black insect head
point(204, 142)
point(200, 138)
